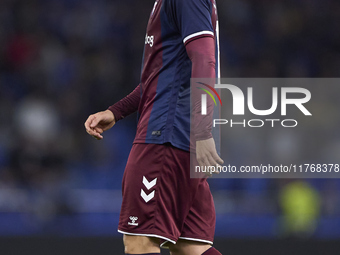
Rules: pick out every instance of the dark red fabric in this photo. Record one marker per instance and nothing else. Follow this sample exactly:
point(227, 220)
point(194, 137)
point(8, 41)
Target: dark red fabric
point(202, 55)
point(212, 251)
point(127, 105)
point(197, 37)
point(160, 199)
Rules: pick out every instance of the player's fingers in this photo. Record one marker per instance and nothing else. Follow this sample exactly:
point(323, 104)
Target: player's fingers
point(95, 121)
point(206, 165)
point(99, 130)
point(217, 158)
point(200, 160)
point(97, 135)
point(206, 161)
point(214, 164)
point(92, 132)
point(88, 123)
point(91, 128)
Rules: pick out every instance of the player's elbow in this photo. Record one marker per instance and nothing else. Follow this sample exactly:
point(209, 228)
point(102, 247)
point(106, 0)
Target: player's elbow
point(211, 62)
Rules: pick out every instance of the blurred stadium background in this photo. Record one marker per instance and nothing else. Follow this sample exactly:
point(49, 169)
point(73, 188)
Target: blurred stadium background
point(61, 60)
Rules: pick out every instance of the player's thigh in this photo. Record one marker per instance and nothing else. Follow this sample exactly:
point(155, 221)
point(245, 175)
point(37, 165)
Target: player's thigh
point(140, 244)
point(186, 247)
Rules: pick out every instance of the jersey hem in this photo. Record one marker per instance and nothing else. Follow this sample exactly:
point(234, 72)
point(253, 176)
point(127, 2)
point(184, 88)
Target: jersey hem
point(196, 240)
point(148, 235)
point(165, 244)
point(177, 145)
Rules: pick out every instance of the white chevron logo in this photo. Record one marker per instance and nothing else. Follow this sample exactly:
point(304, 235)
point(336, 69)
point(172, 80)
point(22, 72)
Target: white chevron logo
point(146, 197)
point(148, 184)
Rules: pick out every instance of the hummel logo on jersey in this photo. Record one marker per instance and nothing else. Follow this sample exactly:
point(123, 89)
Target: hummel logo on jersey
point(149, 40)
point(133, 219)
point(148, 185)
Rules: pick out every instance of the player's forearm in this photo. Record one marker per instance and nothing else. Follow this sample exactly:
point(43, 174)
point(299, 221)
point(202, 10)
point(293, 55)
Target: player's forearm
point(127, 105)
point(202, 55)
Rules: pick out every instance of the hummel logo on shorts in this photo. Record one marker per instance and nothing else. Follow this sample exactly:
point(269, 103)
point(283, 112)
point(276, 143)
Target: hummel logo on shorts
point(133, 219)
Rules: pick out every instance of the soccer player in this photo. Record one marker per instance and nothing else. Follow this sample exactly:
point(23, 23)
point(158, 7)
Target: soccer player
point(162, 206)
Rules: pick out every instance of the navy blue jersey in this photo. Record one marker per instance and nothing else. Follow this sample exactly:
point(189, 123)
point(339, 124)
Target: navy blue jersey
point(164, 108)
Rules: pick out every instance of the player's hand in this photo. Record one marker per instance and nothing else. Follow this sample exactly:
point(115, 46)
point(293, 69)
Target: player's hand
point(97, 123)
point(206, 154)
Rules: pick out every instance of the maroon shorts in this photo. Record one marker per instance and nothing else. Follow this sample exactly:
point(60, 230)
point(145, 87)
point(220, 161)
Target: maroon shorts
point(161, 200)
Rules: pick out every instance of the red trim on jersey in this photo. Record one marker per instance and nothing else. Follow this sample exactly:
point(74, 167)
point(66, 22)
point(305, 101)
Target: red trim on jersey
point(197, 37)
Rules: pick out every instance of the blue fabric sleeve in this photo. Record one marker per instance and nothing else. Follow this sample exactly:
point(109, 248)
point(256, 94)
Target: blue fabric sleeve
point(192, 18)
